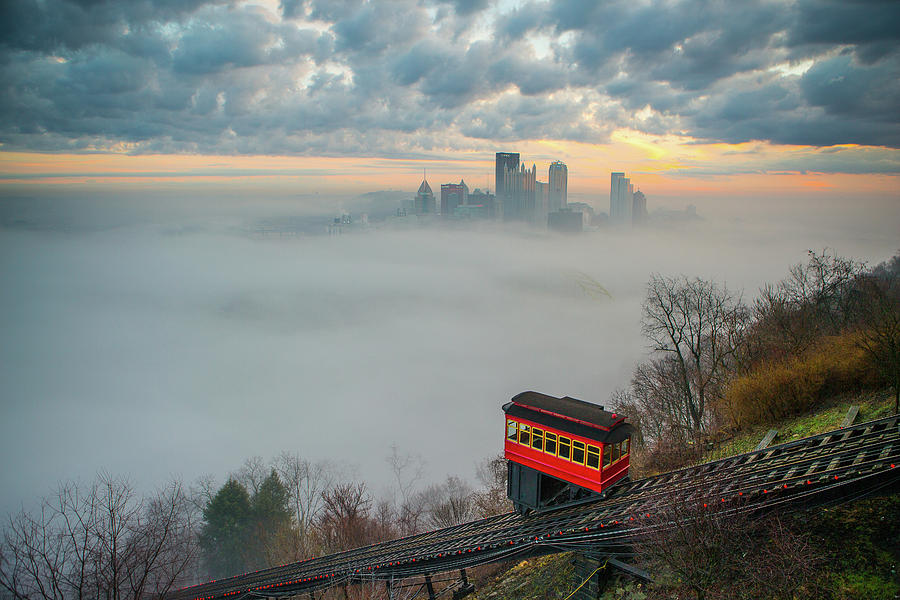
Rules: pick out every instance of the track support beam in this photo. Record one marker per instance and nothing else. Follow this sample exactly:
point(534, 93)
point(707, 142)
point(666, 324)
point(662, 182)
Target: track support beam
point(466, 588)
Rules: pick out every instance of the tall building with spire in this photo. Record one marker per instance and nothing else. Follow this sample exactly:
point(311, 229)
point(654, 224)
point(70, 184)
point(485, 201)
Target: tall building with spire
point(424, 202)
point(557, 197)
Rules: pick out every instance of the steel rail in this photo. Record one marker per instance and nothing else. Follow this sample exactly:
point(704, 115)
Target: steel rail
point(831, 467)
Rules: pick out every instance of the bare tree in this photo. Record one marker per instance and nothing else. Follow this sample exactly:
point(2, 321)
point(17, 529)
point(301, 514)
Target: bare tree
point(117, 511)
point(203, 490)
point(305, 482)
point(491, 499)
point(408, 470)
point(100, 541)
point(817, 298)
point(252, 473)
point(384, 521)
point(344, 521)
point(449, 503)
point(717, 553)
point(664, 411)
point(33, 561)
point(698, 326)
point(162, 543)
point(77, 513)
point(824, 285)
point(879, 328)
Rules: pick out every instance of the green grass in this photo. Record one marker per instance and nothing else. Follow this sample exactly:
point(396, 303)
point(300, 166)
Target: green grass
point(544, 578)
point(861, 544)
point(872, 405)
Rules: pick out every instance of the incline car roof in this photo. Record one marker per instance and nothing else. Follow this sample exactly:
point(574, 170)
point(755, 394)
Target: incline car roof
point(568, 408)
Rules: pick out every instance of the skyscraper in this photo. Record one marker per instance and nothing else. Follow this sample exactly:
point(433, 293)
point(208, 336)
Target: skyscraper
point(424, 203)
point(505, 161)
point(614, 179)
point(558, 194)
point(621, 191)
point(639, 208)
point(453, 195)
point(518, 200)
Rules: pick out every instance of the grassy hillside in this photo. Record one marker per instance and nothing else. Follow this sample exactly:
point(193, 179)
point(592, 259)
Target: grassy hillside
point(828, 416)
point(544, 578)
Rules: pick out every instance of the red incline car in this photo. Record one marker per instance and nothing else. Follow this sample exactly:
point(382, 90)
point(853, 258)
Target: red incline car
point(562, 450)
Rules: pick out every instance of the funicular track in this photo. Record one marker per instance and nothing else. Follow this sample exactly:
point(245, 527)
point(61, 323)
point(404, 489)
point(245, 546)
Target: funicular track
point(833, 467)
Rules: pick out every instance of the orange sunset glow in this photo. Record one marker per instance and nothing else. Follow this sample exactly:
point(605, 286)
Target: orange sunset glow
point(666, 166)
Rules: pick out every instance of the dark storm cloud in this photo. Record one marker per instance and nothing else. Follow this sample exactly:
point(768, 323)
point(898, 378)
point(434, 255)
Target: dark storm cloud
point(872, 26)
point(468, 7)
point(847, 89)
point(395, 76)
point(72, 24)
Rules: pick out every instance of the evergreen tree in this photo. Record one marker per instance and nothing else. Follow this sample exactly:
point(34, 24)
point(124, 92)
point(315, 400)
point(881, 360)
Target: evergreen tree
point(224, 535)
point(271, 521)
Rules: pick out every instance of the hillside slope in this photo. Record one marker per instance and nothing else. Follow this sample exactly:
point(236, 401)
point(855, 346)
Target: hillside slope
point(855, 547)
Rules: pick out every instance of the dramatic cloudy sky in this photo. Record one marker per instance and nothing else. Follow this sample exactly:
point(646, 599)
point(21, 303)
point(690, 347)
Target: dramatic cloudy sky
point(676, 91)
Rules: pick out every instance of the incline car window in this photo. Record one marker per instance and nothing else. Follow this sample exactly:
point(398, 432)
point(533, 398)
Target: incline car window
point(524, 434)
point(578, 452)
point(550, 443)
point(593, 457)
point(537, 438)
point(565, 447)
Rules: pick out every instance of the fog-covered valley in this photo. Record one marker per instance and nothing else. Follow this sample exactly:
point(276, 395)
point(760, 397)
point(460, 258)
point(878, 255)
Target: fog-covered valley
point(172, 340)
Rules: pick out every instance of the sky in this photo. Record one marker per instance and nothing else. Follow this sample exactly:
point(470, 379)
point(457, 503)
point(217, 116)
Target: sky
point(689, 97)
point(147, 330)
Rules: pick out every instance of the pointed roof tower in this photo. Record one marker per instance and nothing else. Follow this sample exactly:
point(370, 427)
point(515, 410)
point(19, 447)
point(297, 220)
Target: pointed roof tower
point(424, 188)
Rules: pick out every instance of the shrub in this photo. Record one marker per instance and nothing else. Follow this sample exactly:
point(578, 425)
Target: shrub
point(777, 389)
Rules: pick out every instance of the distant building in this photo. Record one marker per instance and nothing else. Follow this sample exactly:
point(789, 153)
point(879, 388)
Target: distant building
point(424, 202)
point(585, 209)
point(517, 200)
point(541, 201)
point(558, 192)
point(639, 208)
point(471, 211)
point(621, 191)
point(486, 200)
point(565, 221)
point(453, 195)
point(505, 161)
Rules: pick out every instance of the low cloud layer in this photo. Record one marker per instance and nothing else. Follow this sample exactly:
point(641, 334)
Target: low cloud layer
point(406, 77)
point(150, 343)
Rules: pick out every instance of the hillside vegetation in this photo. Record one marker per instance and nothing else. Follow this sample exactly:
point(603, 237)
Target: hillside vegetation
point(720, 375)
point(854, 549)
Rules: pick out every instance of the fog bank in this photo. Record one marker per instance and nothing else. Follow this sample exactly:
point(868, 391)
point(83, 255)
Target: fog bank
point(180, 343)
